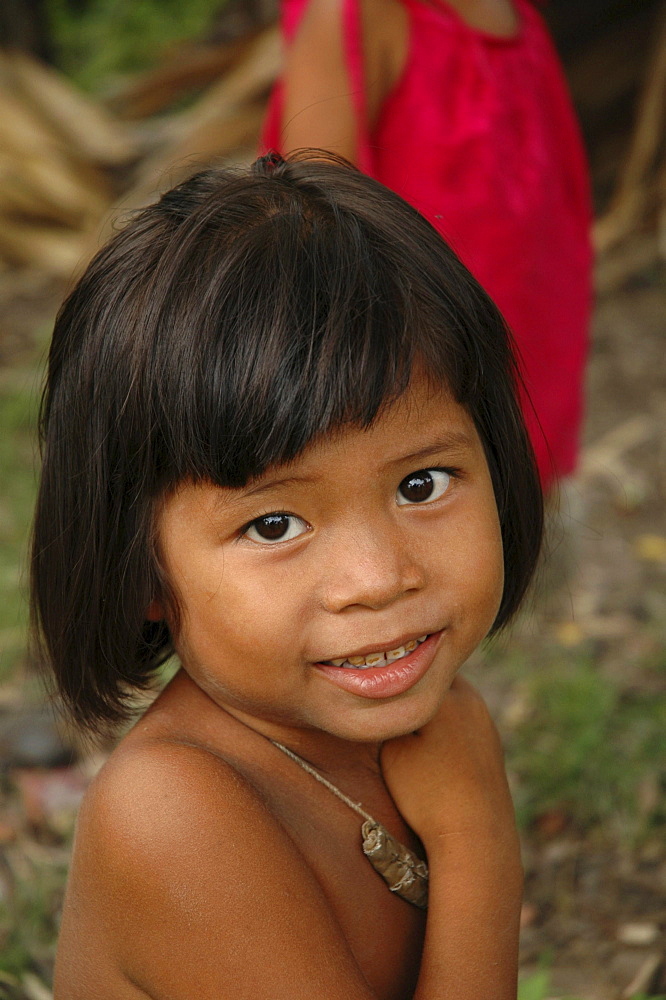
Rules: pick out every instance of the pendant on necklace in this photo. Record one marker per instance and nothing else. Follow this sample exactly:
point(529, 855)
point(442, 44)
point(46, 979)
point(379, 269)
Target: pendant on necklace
point(404, 873)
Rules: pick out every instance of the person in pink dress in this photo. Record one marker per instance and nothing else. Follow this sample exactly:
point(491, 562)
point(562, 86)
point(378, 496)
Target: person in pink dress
point(461, 108)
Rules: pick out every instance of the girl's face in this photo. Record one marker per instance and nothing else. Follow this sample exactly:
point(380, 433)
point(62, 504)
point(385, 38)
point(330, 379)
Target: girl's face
point(305, 594)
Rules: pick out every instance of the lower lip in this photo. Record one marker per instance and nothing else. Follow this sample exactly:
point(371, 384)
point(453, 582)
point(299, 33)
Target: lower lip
point(388, 681)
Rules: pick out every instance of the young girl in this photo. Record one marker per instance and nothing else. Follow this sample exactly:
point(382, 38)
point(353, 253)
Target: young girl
point(281, 439)
point(461, 108)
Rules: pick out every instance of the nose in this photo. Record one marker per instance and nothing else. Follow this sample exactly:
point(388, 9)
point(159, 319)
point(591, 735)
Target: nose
point(370, 569)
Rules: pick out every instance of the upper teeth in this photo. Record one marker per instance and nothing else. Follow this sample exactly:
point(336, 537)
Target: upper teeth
point(380, 659)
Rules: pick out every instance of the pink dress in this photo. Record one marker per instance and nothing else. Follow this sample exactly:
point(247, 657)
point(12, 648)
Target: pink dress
point(480, 136)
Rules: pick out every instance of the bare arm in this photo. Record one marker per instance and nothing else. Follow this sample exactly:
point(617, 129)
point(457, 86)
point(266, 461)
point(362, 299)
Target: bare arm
point(449, 783)
point(318, 106)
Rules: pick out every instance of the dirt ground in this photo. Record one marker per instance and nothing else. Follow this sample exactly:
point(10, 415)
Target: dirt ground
point(598, 911)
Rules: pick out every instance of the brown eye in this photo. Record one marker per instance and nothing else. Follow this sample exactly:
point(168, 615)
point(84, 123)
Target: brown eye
point(272, 527)
point(276, 528)
point(422, 486)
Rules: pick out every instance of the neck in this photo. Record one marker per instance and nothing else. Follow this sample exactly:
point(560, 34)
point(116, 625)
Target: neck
point(328, 753)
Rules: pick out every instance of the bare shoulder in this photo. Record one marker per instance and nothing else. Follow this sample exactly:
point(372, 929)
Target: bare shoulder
point(165, 796)
point(384, 25)
point(183, 881)
point(318, 109)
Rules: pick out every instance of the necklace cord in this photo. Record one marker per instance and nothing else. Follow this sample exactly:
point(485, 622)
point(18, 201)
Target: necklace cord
point(356, 806)
point(404, 873)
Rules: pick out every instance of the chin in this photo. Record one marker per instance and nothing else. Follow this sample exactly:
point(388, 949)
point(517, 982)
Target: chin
point(388, 722)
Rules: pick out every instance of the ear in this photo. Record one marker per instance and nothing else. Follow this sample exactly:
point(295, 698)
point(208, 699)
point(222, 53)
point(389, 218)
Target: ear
point(155, 611)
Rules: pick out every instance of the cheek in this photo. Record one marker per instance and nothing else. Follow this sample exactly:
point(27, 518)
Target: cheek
point(240, 610)
point(474, 569)
point(496, 585)
point(489, 570)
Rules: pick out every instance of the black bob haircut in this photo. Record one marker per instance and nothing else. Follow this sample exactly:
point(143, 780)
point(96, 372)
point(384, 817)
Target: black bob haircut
point(220, 332)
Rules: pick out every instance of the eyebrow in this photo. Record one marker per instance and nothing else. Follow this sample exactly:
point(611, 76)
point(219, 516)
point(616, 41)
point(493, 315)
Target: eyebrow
point(244, 492)
point(453, 441)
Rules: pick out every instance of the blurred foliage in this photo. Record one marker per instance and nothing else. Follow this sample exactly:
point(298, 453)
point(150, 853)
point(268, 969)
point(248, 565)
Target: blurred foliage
point(30, 908)
point(534, 987)
point(590, 748)
point(97, 41)
point(537, 987)
point(18, 409)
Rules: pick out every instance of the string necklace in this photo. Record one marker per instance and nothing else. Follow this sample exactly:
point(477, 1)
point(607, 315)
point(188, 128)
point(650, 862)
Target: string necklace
point(404, 873)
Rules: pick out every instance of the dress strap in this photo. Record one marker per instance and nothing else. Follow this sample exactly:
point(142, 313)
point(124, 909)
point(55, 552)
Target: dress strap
point(352, 40)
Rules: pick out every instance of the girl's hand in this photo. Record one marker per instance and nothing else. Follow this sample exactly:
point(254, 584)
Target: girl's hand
point(448, 777)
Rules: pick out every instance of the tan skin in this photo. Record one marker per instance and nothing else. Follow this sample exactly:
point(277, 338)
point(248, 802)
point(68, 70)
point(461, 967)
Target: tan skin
point(207, 864)
point(318, 111)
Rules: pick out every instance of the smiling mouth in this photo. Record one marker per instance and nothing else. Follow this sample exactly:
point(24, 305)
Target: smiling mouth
point(382, 658)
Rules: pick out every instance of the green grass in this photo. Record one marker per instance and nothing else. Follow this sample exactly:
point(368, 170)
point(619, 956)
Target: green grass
point(18, 408)
point(30, 910)
point(103, 40)
point(537, 987)
point(534, 987)
point(590, 749)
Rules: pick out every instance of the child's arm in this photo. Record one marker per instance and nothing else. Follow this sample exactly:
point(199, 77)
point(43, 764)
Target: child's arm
point(318, 108)
point(449, 783)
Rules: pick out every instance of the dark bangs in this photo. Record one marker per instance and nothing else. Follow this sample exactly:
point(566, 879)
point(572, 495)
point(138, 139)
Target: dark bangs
point(296, 325)
point(273, 313)
point(222, 331)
